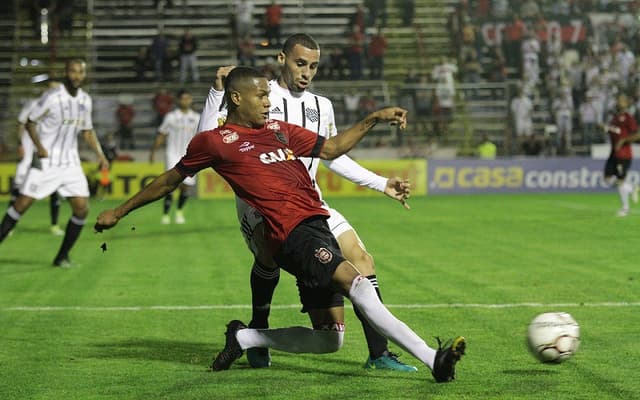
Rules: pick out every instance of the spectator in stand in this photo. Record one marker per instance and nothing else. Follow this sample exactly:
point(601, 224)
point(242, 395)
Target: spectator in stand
point(366, 104)
point(530, 60)
point(246, 51)
point(377, 8)
point(272, 22)
point(512, 41)
point(141, 63)
point(443, 76)
point(423, 100)
point(497, 65)
point(124, 115)
point(355, 52)
point(562, 109)
point(351, 104)
point(243, 17)
point(590, 119)
point(188, 58)
point(529, 9)
point(162, 104)
point(522, 112)
point(499, 8)
point(407, 11)
point(337, 64)
point(358, 18)
point(159, 55)
point(377, 48)
point(532, 145)
point(486, 150)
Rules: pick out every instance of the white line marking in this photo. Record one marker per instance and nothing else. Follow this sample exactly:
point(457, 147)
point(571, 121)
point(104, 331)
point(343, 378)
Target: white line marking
point(296, 306)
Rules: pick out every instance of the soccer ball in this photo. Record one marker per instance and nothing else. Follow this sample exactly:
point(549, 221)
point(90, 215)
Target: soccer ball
point(553, 337)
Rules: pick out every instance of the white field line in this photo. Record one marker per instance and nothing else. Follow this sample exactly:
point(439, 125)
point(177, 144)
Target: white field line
point(296, 306)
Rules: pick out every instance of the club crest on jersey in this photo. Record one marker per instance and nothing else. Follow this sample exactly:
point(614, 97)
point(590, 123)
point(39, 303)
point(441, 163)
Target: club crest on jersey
point(323, 255)
point(312, 114)
point(277, 156)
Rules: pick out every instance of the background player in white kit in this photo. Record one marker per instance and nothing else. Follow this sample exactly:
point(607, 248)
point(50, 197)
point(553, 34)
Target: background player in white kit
point(291, 102)
point(53, 125)
point(26, 150)
point(177, 129)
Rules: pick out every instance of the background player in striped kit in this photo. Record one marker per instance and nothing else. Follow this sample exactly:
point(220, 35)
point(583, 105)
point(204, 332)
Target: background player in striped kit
point(26, 150)
point(292, 102)
point(53, 125)
point(177, 129)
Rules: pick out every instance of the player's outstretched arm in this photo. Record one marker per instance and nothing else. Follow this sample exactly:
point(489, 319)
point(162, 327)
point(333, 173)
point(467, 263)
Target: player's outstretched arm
point(158, 188)
point(343, 142)
point(94, 144)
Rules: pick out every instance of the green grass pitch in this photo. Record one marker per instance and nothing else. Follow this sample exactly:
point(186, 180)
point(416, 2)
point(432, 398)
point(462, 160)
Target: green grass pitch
point(143, 319)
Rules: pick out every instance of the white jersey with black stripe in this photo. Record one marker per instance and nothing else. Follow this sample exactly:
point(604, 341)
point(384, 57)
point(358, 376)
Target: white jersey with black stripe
point(305, 109)
point(60, 117)
point(179, 127)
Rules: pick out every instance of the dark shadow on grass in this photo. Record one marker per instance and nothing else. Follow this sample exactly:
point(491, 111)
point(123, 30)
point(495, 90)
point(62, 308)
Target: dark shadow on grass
point(202, 354)
point(529, 372)
point(140, 233)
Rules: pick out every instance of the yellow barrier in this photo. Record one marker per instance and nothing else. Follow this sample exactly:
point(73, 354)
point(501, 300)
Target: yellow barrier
point(127, 178)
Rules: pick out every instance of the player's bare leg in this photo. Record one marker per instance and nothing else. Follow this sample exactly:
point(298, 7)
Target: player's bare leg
point(80, 210)
point(379, 355)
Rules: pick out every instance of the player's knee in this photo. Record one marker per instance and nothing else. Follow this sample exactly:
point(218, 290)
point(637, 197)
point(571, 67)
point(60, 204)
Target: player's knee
point(329, 341)
point(363, 262)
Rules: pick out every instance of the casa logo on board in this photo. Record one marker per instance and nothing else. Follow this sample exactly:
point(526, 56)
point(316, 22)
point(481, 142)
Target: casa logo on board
point(323, 255)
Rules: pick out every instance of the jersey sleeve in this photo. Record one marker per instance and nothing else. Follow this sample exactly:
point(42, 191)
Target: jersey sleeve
point(201, 153)
point(87, 120)
point(303, 142)
point(329, 122)
point(209, 116)
point(347, 168)
point(24, 112)
point(41, 107)
point(165, 126)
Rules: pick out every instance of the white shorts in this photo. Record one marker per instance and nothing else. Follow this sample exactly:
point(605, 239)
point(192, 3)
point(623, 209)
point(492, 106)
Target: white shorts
point(68, 181)
point(171, 162)
point(21, 172)
point(249, 218)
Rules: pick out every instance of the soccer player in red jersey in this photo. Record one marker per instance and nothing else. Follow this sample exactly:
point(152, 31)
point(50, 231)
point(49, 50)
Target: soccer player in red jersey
point(259, 159)
point(622, 130)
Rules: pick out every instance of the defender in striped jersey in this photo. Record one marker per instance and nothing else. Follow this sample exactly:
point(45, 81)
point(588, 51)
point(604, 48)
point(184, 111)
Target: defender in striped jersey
point(292, 102)
point(53, 126)
point(177, 129)
point(26, 150)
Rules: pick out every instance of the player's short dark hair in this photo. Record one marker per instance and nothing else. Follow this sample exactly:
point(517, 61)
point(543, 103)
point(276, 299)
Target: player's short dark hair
point(181, 92)
point(302, 39)
point(73, 61)
point(235, 78)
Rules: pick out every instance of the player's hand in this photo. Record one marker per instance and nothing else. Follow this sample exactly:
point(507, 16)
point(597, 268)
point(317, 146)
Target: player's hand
point(104, 163)
point(395, 116)
point(221, 74)
point(42, 153)
point(106, 220)
point(400, 190)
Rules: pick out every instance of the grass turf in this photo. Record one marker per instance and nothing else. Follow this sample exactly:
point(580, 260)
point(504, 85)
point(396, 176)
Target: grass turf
point(480, 266)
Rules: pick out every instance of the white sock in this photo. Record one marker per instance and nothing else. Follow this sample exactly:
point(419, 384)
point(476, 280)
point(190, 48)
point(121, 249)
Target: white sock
point(624, 190)
point(363, 295)
point(296, 339)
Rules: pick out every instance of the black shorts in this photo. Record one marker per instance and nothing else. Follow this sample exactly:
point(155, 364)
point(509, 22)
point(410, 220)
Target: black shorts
point(311, 254)
point(616, 167)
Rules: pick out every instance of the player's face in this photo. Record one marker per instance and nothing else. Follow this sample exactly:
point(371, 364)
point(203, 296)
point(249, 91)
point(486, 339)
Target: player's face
point(255, 104)
point(76, 72)
point(299, 67)
point(623, 103)
point(185, 101)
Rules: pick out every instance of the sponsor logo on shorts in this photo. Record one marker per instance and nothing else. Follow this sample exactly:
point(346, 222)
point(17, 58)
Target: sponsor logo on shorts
point(323, 255)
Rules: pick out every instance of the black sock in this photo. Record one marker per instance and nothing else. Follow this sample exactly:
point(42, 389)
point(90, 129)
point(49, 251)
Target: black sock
point(263, 284)
point(71, 234)
point(8, 222)
point(54, 208)
point(182, 199)
point(166, 206)
point(377, 344)
point(15, 192)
